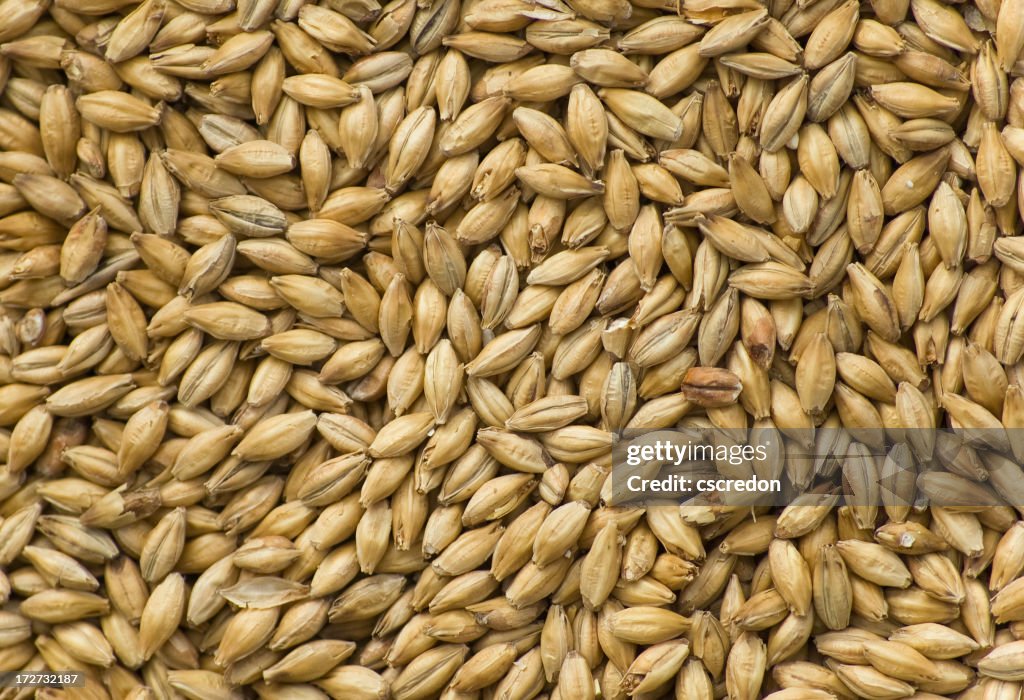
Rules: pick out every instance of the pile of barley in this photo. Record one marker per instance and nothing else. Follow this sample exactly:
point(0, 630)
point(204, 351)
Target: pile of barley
point(317, 321)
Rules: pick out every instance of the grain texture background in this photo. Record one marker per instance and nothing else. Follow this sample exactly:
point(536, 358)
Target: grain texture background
point(317, 320)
